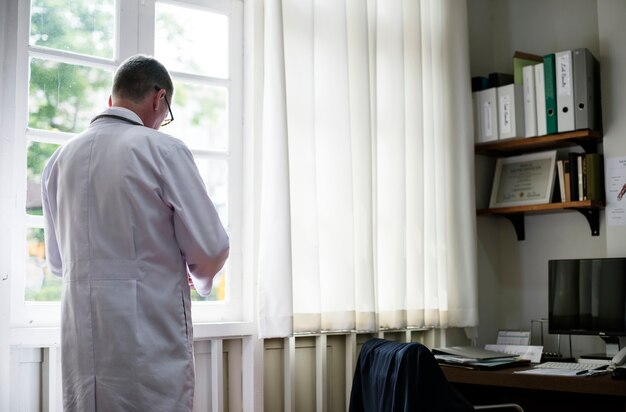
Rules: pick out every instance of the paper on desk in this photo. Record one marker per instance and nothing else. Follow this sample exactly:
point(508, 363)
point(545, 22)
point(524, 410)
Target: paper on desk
point(513, 337)
point(546, 371)
point(531, 353)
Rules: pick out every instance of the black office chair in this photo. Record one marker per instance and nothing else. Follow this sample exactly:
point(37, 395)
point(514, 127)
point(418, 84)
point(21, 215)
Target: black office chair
point(399, 377)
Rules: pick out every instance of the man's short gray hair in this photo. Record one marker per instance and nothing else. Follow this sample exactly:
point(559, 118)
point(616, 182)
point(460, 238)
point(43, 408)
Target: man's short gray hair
point(138, 75)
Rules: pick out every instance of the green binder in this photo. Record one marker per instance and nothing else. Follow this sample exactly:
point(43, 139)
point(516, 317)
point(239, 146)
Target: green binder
point(521, 59)
point(550, 85)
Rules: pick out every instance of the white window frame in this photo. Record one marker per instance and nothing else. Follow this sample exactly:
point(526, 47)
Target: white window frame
point(131, 14)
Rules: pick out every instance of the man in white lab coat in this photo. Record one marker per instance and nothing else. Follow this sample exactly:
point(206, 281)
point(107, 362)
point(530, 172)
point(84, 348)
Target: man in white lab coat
point(127, 218)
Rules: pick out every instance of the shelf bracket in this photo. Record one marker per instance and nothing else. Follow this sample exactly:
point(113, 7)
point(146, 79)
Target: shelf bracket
point(593, 217)
point(588, 146)
point(517, 219)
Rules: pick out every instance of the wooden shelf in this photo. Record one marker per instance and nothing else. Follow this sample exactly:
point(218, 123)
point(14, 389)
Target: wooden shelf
point(545, 207)
point(586, 139)
point(588, 208)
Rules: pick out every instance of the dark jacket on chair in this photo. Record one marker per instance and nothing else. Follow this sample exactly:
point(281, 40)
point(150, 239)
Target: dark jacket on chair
point(399, 377)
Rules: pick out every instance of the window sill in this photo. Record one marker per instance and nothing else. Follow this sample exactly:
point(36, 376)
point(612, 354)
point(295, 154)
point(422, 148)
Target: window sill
point(51, 337)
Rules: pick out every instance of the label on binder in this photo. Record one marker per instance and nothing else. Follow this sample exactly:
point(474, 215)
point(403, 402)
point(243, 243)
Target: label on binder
point(565, 80)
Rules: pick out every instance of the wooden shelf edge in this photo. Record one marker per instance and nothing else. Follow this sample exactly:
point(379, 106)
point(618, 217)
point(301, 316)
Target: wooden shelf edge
point(519, 144)
point(590, 209)
point(545, 207)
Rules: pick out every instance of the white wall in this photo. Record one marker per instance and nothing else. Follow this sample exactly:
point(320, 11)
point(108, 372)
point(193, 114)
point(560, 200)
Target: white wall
point(513, 274)
point(612, 34)
point(7, 11)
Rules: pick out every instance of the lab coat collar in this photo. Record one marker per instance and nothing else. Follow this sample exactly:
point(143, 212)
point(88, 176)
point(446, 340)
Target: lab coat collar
point(120, 113)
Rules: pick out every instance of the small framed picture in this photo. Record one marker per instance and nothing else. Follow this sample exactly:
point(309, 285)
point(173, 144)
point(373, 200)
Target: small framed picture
point(523, 180)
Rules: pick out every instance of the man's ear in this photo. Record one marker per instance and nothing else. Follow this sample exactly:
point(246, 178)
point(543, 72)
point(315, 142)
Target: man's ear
point(110, 101)
point(157, 99)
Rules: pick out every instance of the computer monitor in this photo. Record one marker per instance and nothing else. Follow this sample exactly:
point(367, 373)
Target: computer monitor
point(588, 297)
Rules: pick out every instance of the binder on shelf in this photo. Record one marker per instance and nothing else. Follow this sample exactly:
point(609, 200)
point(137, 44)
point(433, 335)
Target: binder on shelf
point(540, 92)
point(564, 91)
point(586, 72)
point(499, 79)
point(530, 108)
point(520, 60)
point(476, 113)
point(550, 92)
point(510, 111)
point(488, 112)
point(479, 83)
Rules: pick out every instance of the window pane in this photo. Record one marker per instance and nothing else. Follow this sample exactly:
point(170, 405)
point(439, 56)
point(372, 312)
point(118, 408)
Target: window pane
point(39, 283)
point(192, 40)
point(65, 97)
point(215, 176)
point(38, 155)
point(214, 173)
point(79, 26)
point(201, 114)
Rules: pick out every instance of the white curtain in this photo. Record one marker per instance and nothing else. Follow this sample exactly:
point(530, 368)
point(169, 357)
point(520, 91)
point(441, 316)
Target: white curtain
point(367, 216)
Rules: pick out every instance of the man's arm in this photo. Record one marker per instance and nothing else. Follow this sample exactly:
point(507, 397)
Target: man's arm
point(201, 237)
point(53, 256)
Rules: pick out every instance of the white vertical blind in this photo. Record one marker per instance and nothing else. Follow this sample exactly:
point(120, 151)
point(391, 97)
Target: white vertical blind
point(367, 210)
point(274, 290)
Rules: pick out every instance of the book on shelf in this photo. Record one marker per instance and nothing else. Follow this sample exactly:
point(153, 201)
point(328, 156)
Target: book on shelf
point(561, 180)
point(556, 192)
point(581, 181)
point(594, 176)
point(566, 178)
point(581, 177)
point(573, 175)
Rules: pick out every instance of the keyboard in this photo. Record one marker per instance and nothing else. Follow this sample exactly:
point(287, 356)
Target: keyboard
point(571, 366)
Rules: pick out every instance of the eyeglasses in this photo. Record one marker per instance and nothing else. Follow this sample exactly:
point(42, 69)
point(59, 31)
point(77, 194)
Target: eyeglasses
point(170, 119)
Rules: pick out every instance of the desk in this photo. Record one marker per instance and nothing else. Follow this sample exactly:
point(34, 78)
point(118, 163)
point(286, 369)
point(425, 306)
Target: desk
point(539, 392)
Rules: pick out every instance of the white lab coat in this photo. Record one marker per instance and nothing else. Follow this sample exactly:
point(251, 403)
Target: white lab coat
point(126, 213)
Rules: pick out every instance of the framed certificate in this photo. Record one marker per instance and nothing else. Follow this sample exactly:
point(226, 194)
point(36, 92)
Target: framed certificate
point(523, 180)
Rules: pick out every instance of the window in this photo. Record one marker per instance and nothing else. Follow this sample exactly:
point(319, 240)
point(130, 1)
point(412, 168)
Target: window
point(193, 43)
point(73, 48)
